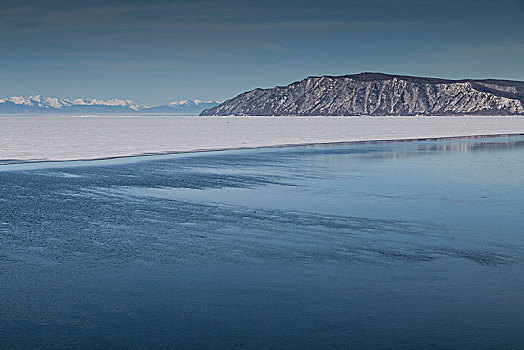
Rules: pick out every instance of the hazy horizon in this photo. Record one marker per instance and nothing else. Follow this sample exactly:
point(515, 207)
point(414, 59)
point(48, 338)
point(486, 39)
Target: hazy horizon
point(154, 52)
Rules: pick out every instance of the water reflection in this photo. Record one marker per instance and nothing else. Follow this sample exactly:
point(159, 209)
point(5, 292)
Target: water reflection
point(409, 148)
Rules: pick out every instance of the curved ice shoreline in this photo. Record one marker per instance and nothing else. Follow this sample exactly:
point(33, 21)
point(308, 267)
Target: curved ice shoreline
point(145, 156)
point(65, 138)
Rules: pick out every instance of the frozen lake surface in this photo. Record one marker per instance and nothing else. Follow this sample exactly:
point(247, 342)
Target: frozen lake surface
point(63, 137)
point(381, 245)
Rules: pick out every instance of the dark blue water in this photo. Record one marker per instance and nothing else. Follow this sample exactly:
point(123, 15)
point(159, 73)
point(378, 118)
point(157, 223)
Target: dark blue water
point(402, 245)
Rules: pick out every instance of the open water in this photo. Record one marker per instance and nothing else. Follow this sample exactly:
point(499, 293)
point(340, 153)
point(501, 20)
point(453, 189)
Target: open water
point(382, 245)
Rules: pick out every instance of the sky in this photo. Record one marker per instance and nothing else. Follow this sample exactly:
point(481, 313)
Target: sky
point(155, 52)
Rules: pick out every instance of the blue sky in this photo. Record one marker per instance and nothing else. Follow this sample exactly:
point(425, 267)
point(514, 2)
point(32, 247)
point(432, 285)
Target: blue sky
point(158, 51)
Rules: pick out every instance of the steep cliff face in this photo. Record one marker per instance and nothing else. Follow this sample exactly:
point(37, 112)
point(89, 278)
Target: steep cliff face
point(379, 94)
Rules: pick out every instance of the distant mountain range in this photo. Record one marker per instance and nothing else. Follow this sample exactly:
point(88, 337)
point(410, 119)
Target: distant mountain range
point(379, 94)
point(357, 94)
point(40, 104)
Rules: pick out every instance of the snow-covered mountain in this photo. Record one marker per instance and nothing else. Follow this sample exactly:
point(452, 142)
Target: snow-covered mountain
point(41, 104)
point(188, 107)
point(380, 94)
